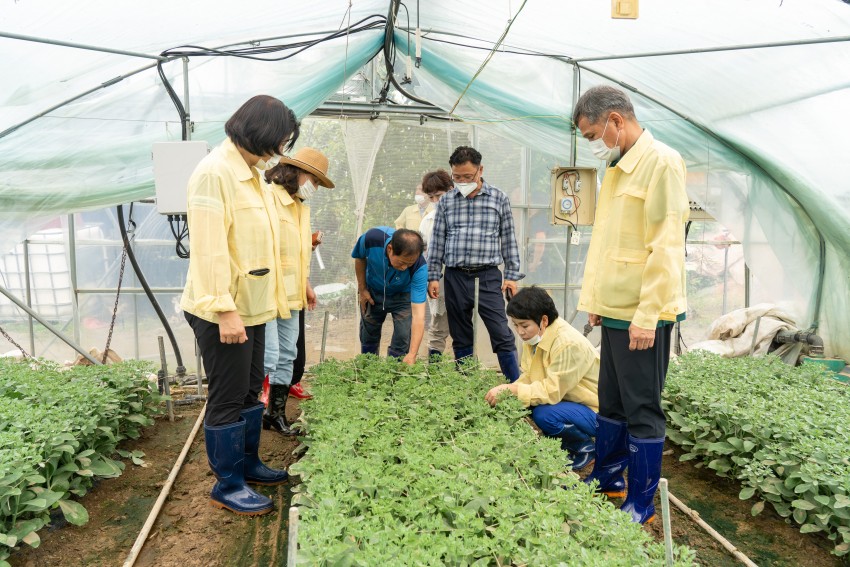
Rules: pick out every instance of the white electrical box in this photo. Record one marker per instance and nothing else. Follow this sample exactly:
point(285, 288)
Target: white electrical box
point(173, 164)
point(573, 195)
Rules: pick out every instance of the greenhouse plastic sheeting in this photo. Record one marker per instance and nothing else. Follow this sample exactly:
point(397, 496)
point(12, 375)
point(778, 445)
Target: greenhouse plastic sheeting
point(759, 128)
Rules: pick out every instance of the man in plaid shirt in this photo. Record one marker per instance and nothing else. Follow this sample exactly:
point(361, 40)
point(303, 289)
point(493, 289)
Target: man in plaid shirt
point(473, 234)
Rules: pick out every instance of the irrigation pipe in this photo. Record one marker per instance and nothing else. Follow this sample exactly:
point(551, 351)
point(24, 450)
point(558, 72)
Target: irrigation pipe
point(711, 531)
point(166, 489)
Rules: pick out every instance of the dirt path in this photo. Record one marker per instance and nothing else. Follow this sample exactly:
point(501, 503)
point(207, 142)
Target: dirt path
point(189, 532)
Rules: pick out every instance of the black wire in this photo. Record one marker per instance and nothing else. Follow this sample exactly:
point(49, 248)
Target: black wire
point(179, 234)
point(389, 58)
point(144, 283)
point(254, 52)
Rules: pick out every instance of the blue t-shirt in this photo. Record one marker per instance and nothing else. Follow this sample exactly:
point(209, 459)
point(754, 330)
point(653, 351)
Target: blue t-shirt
point(381, 278)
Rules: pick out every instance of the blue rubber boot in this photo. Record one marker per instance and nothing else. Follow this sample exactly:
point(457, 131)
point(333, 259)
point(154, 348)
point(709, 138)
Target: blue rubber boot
point(226, 455)
point(368, 349)
point(461, 353)
point(612, 457)
point(644, 472)
point(509, 365)
point(579, 446)
point(256, 472)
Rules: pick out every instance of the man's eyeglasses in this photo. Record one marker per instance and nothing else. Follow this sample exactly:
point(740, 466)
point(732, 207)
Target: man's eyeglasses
point(464, 178)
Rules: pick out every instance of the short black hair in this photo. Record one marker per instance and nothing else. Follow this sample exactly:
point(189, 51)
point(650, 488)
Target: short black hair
point(263, 125)
point(406, 242)
point(532, 303)
point(465, 154)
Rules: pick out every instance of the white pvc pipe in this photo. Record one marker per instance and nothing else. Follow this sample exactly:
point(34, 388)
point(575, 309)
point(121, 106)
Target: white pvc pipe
point(712, 532)
point(292, 546)
point(665, 519)
point(166, 489)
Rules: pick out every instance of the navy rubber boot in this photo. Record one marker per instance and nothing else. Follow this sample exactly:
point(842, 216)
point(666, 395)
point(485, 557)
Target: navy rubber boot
point(226, 456)
point(432, 354)
point(612, 457)
point(368, 349)
point(583, 455)
point(509, 365)
point(579, 446)
point(256, 472)
point(644, 473)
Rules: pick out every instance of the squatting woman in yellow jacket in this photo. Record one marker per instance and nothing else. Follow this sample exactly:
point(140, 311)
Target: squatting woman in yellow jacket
point(233, 288)
point(560, 374)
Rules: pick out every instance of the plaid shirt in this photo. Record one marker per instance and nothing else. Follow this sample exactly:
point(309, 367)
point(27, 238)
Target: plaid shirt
point(469, 233)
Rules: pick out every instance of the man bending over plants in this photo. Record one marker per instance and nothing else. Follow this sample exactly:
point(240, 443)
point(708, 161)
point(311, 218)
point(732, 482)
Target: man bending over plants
point(391, 280)
point(560, 372)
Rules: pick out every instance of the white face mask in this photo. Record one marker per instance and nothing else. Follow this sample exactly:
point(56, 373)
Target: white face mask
point(466, 188)
point(534, 340)
point(420, 199)
point(264, 165)
point(306, 190)
point(603, 152)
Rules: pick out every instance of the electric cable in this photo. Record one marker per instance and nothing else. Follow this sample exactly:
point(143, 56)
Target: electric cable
point(181, 370)
point(389, 58)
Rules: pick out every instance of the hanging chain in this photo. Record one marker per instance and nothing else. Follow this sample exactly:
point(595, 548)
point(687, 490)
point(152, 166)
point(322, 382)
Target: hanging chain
point(115, 308)
point(11, 340)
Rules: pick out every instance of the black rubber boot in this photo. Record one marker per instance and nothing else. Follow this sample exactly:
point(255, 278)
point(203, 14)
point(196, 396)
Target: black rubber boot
point(274, 417)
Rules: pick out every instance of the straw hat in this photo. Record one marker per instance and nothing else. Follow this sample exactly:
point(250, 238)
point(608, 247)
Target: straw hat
point(312, 161)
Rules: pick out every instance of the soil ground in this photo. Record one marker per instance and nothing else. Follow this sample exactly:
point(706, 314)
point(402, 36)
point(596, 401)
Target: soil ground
point(189, 532)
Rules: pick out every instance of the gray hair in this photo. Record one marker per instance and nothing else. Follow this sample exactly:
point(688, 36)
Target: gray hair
point(599, 100)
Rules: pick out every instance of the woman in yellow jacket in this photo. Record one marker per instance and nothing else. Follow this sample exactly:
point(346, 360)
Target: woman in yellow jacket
point(293, 182)
point(560, 375)
point(233, 288)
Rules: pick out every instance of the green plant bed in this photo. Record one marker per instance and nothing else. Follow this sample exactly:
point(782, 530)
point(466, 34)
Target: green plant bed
point(410, 466)
point(784, 432)
point(59, 430)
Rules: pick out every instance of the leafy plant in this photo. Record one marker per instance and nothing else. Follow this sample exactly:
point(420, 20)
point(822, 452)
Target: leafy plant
point(59, 429)
point(410, 466)
point(784, 432)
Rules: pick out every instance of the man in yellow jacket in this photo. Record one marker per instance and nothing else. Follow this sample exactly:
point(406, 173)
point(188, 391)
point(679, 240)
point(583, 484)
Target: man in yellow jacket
point(634, 286)
point(560, 372)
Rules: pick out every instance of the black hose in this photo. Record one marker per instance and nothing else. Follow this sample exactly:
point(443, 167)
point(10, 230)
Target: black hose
point(181, 370)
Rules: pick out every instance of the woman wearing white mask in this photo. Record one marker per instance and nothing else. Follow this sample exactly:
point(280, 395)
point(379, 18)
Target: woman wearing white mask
point(293, 181)
point(560, 375)
point(411, 216)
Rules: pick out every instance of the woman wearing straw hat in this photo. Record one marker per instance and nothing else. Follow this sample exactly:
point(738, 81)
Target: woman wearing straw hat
point(293, 182)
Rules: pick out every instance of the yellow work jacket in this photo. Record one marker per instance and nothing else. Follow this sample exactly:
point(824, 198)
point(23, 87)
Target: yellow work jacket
point(563, 367)
point(410, 217)
point(635, 268)
point(296, 245)
point(234, 230)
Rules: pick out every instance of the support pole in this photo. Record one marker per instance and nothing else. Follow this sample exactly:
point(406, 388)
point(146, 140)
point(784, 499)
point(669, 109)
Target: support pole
point(324, 335)
point(28, 285)
point(47, 325)
point(163, 374)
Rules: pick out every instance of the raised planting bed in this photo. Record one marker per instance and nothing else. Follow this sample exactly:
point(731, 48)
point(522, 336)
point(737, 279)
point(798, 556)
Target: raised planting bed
point(784, 432)
point(59, 430)
point(410, 466)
